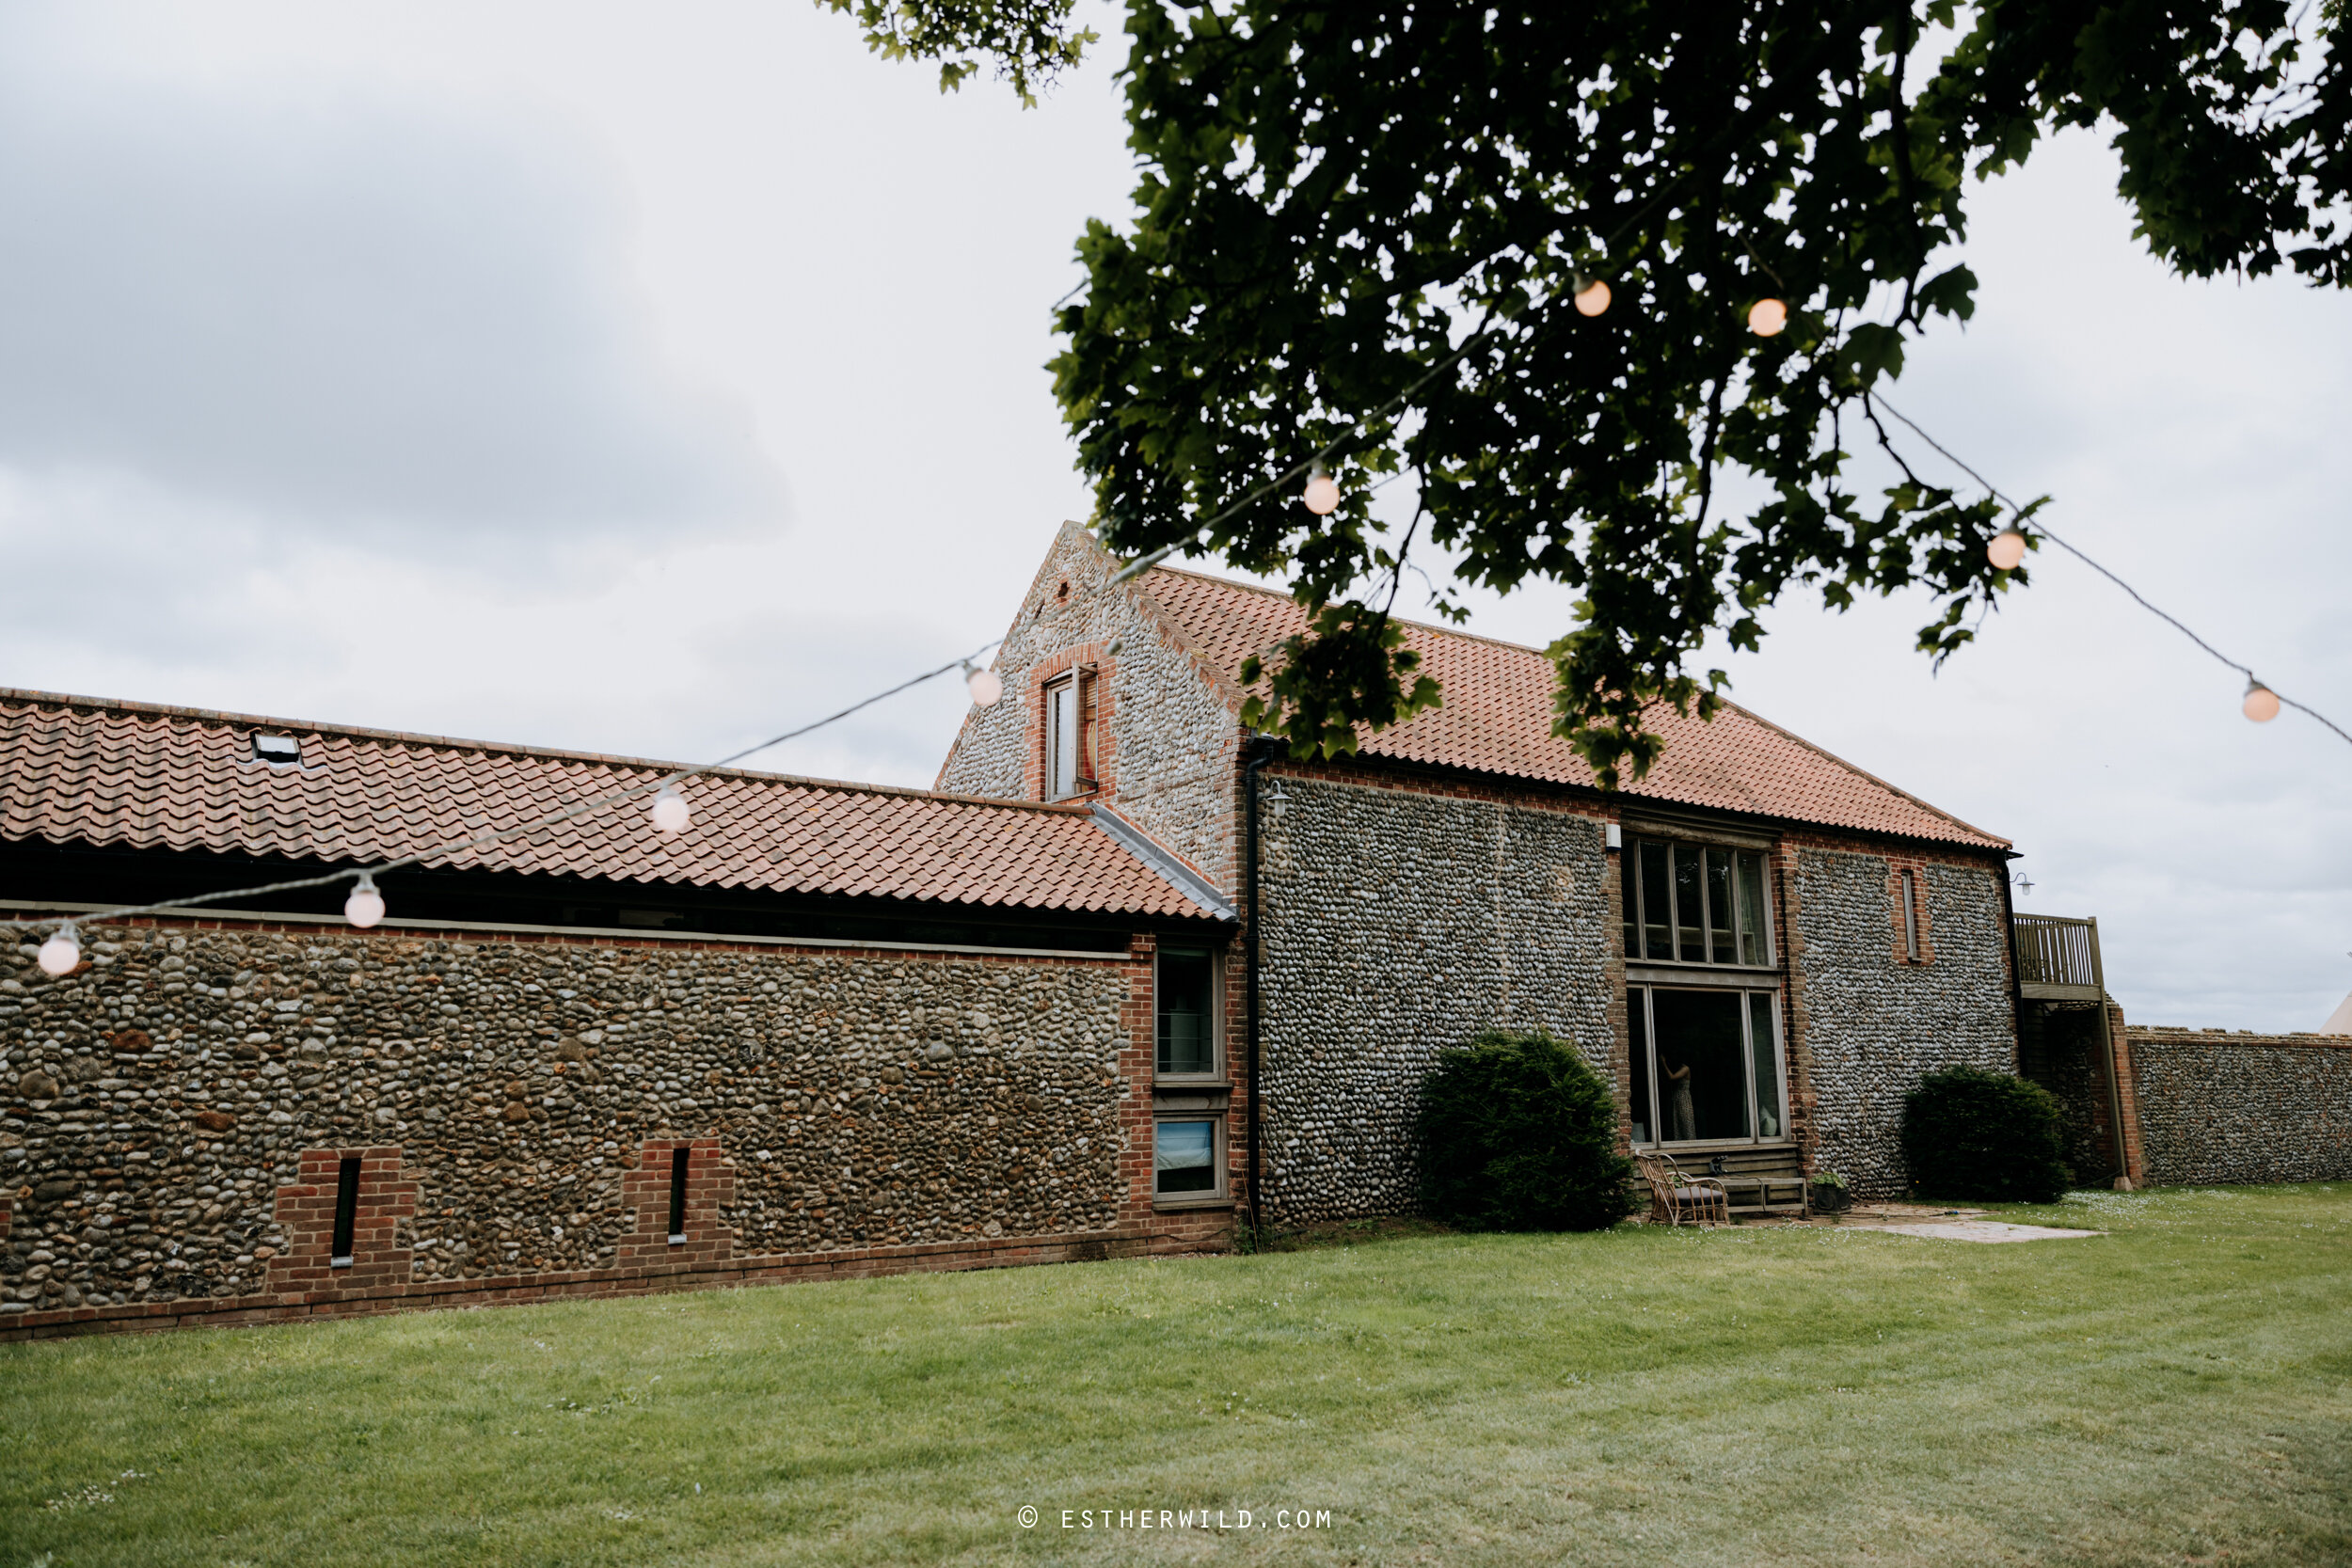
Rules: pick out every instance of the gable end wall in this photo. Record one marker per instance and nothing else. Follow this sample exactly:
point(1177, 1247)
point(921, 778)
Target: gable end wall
point(1168, 740)
point(1872, 1025)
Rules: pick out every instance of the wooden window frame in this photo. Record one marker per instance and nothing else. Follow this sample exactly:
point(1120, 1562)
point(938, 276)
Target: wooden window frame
point(1079, 681)
point(1633, 919)
point(1216, 1074)
point(1219, 1191)
point(1646, 1035)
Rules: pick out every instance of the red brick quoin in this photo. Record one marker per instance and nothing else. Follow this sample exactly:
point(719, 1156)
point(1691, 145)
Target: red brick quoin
point(305, 1211)
point(646, 1192)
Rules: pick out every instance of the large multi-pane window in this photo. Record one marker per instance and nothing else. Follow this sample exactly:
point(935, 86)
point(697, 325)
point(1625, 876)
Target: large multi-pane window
point(1705, 1066)
point(1186, 1001)
point(1695, 904)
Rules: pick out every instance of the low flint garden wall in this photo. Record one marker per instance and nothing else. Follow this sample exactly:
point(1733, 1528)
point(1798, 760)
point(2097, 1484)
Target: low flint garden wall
point(2222, 1107)
point(176, 1114)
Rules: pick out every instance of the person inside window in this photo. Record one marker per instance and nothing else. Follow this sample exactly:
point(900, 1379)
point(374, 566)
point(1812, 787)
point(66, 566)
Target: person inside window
point(1683, 1115)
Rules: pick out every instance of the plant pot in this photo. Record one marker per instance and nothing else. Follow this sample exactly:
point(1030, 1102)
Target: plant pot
point(1830, 1200)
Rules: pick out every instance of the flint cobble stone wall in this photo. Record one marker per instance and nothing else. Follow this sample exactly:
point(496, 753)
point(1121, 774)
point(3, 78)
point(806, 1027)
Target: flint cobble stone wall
point(1395, 923)
point(1169, 741)
point(158, 1098)
point(1874, 1026)
point(2059, 1048)
point(2222, 1107)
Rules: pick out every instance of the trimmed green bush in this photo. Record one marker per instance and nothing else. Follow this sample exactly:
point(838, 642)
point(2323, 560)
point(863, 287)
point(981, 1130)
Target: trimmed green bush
point(1970, 1134)
point(1518, 1134)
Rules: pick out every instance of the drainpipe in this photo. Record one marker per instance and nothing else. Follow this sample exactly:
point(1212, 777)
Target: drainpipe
point(1250, 769)
point(2016, 980)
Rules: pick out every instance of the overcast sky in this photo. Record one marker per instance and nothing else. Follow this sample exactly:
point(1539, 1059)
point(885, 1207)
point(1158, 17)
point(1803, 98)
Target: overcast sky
point(646, 379)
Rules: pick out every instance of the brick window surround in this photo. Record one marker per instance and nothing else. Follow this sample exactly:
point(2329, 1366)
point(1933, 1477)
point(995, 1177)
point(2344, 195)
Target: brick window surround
point(306, 1213)
point(646, 1193)
point(1098, 749)
point(1914, 873)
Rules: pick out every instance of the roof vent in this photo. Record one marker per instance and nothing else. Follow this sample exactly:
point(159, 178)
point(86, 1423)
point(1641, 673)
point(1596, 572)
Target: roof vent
point(282, 750)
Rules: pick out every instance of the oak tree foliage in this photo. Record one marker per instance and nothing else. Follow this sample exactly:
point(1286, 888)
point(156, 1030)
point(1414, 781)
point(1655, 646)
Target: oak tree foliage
point(1361, 226)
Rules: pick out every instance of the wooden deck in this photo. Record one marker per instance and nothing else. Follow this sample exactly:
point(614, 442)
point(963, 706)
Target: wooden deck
point(2058, 957)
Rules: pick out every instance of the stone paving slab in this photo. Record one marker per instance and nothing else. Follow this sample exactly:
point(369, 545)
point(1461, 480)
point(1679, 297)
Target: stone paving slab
point(1985, 1231)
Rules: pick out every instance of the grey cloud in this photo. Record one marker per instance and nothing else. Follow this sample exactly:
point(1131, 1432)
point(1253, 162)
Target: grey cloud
point(342, 312)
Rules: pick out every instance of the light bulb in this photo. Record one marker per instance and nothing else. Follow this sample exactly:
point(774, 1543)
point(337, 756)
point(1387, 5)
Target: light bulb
point(1592, 295)
point(2006, 550)
point(1322, 494)
point(669, 811)
point(365, 907)
point(987, 686)
point(2261, 706)
point(62, 953)
point(1767, 317)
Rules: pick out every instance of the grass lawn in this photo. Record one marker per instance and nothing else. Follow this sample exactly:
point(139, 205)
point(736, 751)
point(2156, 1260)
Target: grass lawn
point(2178, 1390)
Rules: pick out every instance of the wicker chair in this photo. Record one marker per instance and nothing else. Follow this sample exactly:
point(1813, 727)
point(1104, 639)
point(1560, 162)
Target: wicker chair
point(1673, 1193)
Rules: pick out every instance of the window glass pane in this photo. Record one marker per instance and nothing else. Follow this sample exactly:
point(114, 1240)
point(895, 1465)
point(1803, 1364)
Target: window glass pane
point(1767, 1058)
point(1637, 1062)
point(1629, 890)
point(1719, 906)
point(1911, 914)
point(1184, 1156)
point(1702, 1076)
point(1688, 906)
point(1754, 948)
point(1187, 1008)
point(1061, 741)
point(1658, 937)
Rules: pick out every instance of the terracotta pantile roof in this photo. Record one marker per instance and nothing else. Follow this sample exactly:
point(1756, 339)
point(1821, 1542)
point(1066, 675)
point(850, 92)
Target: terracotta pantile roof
point(83, 770)
point(1497, 719)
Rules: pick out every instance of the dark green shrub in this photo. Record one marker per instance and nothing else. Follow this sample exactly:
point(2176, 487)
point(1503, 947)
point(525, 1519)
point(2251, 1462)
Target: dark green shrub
point(1518, 1134)
point(1970, 1134)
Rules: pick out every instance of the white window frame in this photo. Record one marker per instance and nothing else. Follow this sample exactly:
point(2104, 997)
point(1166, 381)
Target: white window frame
point(1066, 733)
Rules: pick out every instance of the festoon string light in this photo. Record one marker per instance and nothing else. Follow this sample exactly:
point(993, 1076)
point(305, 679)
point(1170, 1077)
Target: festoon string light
point(1766, 318)
point(2007, 549)
point(365, 907)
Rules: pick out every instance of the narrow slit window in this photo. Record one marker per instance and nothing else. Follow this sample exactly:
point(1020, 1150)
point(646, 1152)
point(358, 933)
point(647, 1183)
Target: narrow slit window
point(678, 1161)
point(346, 1211)
point(1911, 915)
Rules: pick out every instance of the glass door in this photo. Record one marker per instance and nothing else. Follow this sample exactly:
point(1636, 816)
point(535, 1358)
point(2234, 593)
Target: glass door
point(1705, 1066)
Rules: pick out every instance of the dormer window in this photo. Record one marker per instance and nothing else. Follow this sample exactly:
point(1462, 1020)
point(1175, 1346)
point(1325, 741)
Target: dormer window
point(1069, 763)
point(281, 751)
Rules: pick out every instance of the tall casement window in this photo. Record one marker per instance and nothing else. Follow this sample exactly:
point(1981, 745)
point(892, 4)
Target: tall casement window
point(1068, 703)
point(1706, 1065)
point(1186, 1000)
point(1695, 904)
point(1706, 1061)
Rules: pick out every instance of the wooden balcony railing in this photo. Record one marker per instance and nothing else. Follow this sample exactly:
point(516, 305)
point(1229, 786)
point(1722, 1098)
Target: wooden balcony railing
point(2058, 957)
